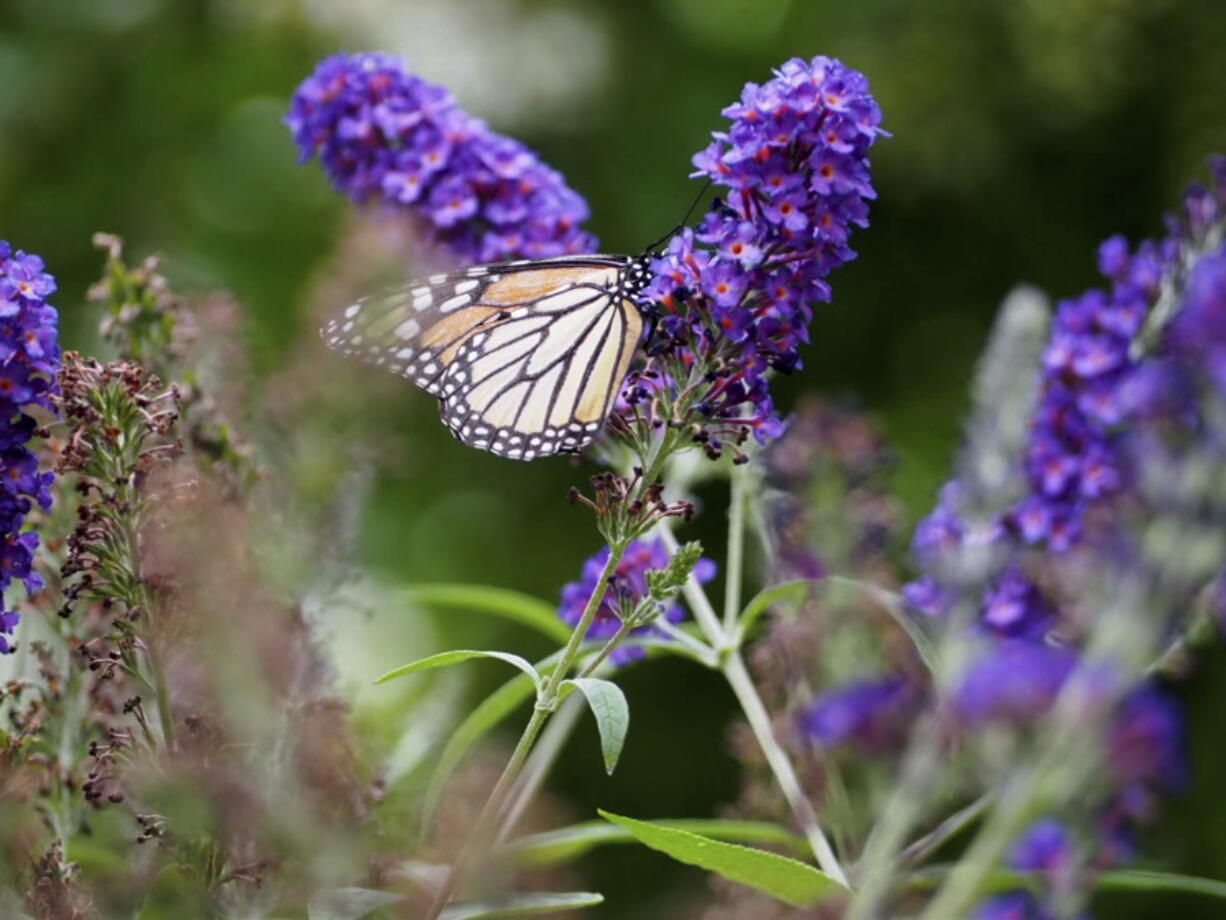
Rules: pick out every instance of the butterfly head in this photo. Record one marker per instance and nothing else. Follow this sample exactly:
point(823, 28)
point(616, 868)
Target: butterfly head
point(638, 274)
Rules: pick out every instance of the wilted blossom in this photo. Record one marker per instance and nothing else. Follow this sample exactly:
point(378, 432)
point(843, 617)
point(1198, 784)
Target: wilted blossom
point(873, 715)
point(29, 357)
point(382, 133)
point(736, 294)
point(627, 588)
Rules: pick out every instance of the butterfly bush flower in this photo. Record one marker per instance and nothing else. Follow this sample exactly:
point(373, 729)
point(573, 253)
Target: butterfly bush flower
point(29, 358)
point(735, 295)
point(1097, 385)
point(384, 134)
point(872, 715)
point(1129, 398)
point(625, 590)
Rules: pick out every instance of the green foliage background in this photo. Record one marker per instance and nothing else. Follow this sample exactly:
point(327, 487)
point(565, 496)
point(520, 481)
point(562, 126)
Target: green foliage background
point(1025, 131)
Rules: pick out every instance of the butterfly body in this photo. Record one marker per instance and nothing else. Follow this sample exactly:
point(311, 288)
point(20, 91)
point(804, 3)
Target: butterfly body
point(525, 357)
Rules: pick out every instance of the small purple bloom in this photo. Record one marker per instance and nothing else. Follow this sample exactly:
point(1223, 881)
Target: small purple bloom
point(1012, 681)
point(1147, 741)
point(1045, 846)
point(1013, 905)
point(29, 358)
point(628, 586)
point(874, 715)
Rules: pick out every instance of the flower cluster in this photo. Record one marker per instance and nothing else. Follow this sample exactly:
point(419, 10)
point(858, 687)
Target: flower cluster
point(383, 133)
point(626, 590)
point(1128, 419)
point(29, 358)
point(873, 715)
point(736, 294)
point(1094, 382)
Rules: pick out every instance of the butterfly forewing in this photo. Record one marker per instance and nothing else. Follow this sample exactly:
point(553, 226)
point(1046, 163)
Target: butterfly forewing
point(525, 357)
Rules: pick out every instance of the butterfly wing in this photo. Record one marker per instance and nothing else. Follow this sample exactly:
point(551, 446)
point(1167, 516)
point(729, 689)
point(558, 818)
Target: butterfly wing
point(525, 358)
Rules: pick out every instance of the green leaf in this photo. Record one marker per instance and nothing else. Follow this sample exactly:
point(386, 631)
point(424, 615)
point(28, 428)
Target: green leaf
point(612, 712)
point(762, 601)
point(789, 880)
point(523, 905)
point(567, 843)
point(510, 605)
point(349, 903)
point(442, 659)
point(1111, 880)
point(1149, 880)
point(488, 713)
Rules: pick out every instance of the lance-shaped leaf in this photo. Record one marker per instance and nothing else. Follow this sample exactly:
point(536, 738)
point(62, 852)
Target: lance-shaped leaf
point(787, 879)
point(443, 659)
point(568, 843)
point(523, 905)
point(511, 605)
point(612, 712)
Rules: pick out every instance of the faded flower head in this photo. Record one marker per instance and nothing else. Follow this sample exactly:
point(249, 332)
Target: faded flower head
point(385, 134)
point(735, 295)
point(626, 590)
point(29, 358)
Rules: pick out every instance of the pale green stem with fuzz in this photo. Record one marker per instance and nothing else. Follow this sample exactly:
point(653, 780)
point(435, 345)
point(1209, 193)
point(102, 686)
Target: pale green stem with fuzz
point(739, 482)
point(738, 678)
point(734, 671)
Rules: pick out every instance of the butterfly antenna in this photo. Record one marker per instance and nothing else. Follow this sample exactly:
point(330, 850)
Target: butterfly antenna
point(685, 220)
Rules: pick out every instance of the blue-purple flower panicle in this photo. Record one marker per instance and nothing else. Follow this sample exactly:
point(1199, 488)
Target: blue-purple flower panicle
point(384, 134)
point(29, 358)
point(626, 589)
point(1132, 384)
point(1096, 392)
point(737, 293)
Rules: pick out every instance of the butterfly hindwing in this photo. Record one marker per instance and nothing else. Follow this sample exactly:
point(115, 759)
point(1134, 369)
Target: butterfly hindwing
point(526, 358)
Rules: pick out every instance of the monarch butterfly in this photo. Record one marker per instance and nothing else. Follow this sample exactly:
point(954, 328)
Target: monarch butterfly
point(525, 357)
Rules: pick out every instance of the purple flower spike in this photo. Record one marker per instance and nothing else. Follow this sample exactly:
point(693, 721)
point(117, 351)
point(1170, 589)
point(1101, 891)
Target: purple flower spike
point(29, 358)
point(629, 586)
point(794, 165)
point(382, 133)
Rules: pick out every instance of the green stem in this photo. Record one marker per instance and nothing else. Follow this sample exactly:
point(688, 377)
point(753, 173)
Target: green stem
point(546, 703)
point(165, 716)
point(925, 846)
point(742, 685)
point(553, 738)
point(614, 640)
point(736, 546)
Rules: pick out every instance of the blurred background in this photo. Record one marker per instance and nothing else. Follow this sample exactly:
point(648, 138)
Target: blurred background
point(1025, 132)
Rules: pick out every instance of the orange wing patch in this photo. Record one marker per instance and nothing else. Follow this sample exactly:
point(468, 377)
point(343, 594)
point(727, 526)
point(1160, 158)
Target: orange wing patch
point(518, 288)
point(452, 330)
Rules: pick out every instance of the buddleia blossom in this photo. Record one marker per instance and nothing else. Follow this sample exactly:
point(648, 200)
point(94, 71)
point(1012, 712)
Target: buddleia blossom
point(1097, 385)
point(29, 357)
point(736, 294)
point(873, 715)
point(384, 134)
point(626, 589)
